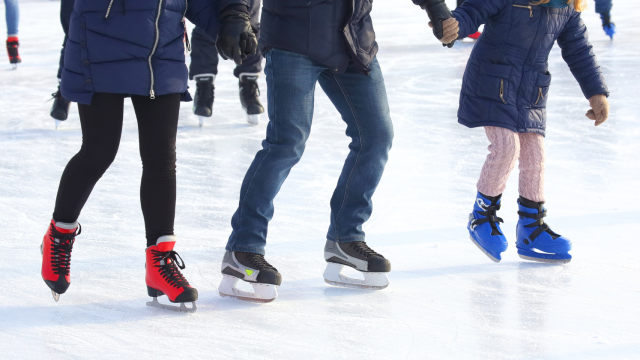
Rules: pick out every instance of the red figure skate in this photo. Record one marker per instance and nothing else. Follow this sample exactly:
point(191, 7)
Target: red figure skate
point(56, 256)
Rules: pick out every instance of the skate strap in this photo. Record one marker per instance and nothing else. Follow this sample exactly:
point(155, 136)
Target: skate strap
point(487, 219)
point(61, 250)
point(538, 216)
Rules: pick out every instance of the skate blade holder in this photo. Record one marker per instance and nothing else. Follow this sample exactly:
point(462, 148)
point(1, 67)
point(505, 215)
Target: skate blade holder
point(182, 308)
point(372, 280)
point(262, 293)
point(253, 119)
point(201, 120)
point(544, 257)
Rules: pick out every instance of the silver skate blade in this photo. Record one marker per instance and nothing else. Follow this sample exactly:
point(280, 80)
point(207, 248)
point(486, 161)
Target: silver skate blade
point(483, 250)
point(57, 123)
point(262, 293)
point(200, 120)
point(182, 308)
point(547, 261)
point(253, 119)
point(56, 296)
point(14, 66)
point(372, 281)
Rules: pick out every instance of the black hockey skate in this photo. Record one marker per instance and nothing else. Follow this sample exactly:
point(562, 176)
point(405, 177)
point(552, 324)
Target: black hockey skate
point(60, 107)
point(250, 97)
point(360, 256)
point(252, 268)
point(203, 102)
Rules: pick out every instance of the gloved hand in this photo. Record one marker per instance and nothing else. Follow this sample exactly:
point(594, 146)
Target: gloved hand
point(449, 31)
point(236, 39)
point(438, 11)
point(599, 109)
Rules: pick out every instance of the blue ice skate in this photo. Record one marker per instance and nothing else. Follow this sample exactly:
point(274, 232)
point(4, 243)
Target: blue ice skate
point(607, 25)
point(484, 229)
point(536, 241)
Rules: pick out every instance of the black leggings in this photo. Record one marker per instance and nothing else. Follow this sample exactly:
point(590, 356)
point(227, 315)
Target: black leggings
point(101, 130)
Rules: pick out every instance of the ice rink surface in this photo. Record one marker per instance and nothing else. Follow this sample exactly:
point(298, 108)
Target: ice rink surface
point(446, 299)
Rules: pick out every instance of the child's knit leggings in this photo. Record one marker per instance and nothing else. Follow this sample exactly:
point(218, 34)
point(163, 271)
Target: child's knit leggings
point(505, 148)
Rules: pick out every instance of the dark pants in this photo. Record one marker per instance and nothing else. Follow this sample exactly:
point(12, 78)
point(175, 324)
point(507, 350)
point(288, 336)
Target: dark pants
point(101, 130)
point(603, 6)
point(204, 55)
point(362, 102)
point(66, 8)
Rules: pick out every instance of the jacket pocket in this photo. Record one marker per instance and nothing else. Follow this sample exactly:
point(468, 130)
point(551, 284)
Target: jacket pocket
point(493, 83)
point(541, 90)
point(362, 26)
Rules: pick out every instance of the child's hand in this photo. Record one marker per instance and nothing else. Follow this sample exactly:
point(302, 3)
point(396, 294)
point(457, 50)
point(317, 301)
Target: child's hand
point(450, 30)
point(599, 109)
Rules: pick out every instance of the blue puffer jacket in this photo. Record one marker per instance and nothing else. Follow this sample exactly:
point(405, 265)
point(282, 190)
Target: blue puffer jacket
point(131, 47)
point(506, 82)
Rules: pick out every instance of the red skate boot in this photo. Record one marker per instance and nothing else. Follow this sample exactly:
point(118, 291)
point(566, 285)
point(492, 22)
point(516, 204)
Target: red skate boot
point(164, 277)
point(12, 50)
point(56, 256)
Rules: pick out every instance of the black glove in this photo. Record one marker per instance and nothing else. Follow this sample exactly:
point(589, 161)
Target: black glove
point(438, 11)
point(236, 39)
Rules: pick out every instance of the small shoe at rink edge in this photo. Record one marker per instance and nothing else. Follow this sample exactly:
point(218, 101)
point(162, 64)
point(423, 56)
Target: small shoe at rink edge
point(253, 269)
point(536, 241)
point(484, 227)
point(163, 276)
point(56, 256)
point(358, 255)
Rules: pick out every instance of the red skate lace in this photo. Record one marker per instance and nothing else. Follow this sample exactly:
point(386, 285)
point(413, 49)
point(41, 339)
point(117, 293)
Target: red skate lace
point(170, 271)
point(61, 250)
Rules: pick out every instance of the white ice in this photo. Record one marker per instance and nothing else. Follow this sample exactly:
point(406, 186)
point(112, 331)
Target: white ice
point(446, 299)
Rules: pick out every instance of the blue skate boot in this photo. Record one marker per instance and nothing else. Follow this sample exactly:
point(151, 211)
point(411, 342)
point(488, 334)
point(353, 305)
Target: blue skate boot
point(607, 25)
point(484, 229)
point(536, 242)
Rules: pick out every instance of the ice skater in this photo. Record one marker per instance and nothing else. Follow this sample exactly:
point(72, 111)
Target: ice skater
point(117, 38)
point(505, 89)
point(204, 69)
point(12, 15)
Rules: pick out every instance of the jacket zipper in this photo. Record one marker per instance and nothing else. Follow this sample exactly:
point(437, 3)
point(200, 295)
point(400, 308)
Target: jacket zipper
point(152, 94)
point(502, 91)
point(526, 7)
point(106, 16)
point(540, 95)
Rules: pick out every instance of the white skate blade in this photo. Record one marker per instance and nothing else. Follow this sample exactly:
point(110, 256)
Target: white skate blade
point(201, 120)
point(14, 66)
point(262, 293)
point(56, 296)
point(57, 123)
point(182, 308)
point(483, 250)
point(372, 281)
point(548, 261)
point(253, 119)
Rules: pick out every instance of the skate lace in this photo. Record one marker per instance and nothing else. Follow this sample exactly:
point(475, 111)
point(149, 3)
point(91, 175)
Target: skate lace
point(170, 271)
point(259, 263)
point(363, 249)
point(12, 48)
point(204, 94)
point(56, 95)
point(61, 250)
point(250, 90)
point(539, 224)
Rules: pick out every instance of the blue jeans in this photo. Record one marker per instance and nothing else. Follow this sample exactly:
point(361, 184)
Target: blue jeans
point(362, 102)
point(12, 13)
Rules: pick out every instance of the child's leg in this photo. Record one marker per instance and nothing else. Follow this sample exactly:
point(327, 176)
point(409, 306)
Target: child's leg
point(503, 153)
point(532, 158)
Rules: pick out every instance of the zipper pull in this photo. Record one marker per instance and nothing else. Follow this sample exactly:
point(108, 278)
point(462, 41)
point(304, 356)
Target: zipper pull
point(152, 94)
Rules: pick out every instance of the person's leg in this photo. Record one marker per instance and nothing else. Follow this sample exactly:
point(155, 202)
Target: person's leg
point(12, 14)
point(603, 6)
point(101, 130)
point(204, 55)
point(531, 182)
point(362, 102)
point(291, 80)
point(252, 64)
point(157, 128)
point(503, 153)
